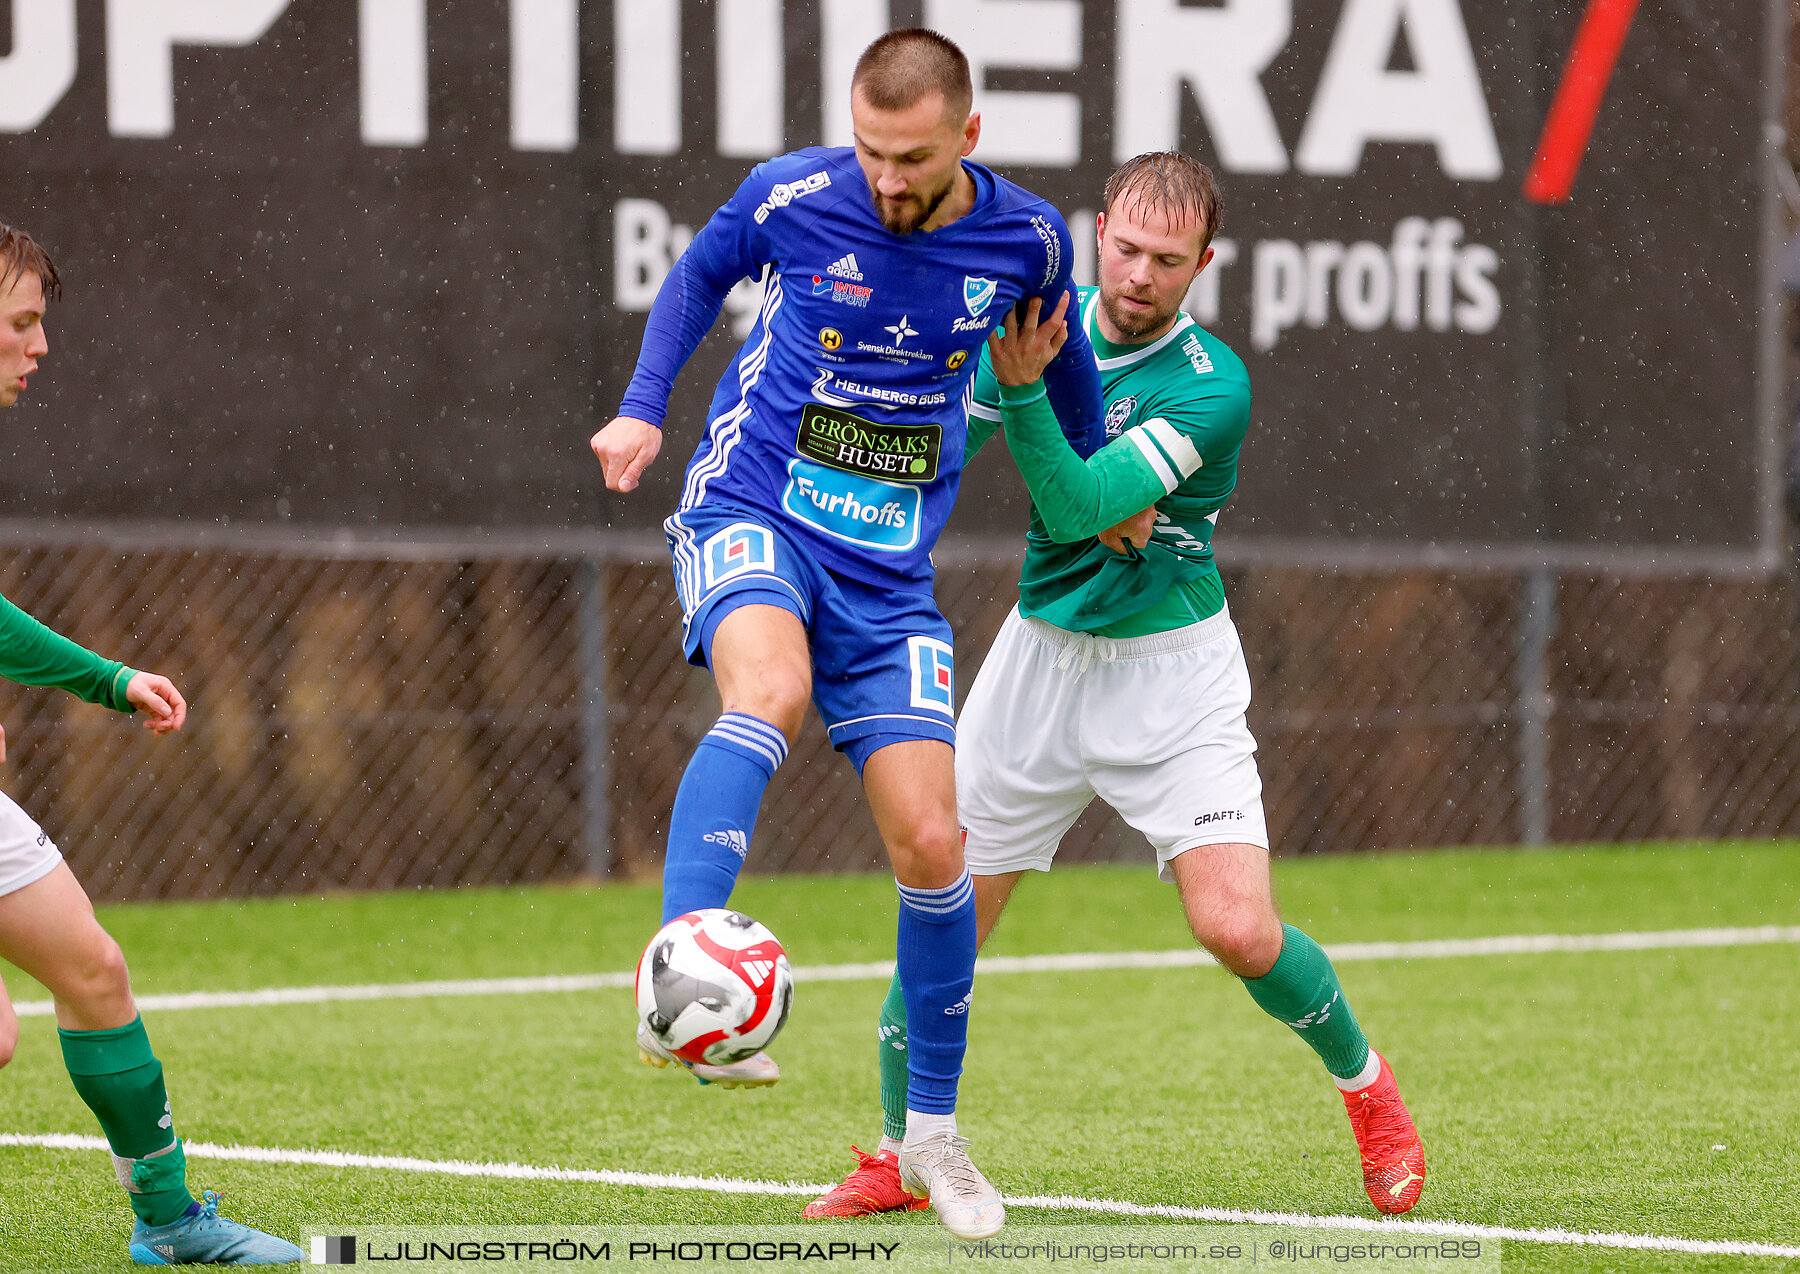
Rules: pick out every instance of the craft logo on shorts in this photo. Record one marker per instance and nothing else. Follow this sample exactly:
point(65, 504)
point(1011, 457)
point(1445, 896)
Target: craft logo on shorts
point(740, 547)
point(1219, 816)
point(1118, 414)
point(899, 453)
point(933, 674)
point(956, 359)
point(831, 338)
point(334, 1249)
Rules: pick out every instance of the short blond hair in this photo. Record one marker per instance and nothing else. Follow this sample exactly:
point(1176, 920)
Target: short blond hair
point(1170, 183)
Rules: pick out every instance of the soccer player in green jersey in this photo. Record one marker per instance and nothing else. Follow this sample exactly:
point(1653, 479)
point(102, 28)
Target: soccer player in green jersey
point(47, 925)
point(1120, 673)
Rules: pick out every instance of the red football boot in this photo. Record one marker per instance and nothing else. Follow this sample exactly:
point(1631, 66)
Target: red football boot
point(873, 1186)
point(1393, 1157)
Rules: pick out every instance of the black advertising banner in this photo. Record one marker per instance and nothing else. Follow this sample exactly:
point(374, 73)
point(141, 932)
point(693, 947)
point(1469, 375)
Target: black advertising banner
point(383, 267)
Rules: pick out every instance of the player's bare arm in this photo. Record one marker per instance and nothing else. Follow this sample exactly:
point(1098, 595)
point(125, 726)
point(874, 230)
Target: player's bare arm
point(625, 446)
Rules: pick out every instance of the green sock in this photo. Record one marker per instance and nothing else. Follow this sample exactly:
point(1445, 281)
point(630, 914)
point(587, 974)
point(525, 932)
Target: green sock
point(1303, 991)
point(892, 1046)
point(121, 1081)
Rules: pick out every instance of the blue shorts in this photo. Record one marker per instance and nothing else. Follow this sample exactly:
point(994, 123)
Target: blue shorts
point(881, 657)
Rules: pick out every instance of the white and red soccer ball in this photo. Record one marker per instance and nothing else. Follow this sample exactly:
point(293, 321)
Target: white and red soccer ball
point(714, 986)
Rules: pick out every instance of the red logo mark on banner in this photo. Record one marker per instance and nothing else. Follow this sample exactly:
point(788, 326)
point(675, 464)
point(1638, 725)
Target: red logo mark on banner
point(1577, 101)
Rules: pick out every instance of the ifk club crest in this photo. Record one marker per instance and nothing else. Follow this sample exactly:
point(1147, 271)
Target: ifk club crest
point(977, 293)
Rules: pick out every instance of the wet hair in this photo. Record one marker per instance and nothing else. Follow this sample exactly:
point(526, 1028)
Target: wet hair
point(20, 255)
point(903, 66)
point(1170, 183)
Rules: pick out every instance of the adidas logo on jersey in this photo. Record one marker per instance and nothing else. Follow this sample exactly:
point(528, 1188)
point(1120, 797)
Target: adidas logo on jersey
point(845, 268)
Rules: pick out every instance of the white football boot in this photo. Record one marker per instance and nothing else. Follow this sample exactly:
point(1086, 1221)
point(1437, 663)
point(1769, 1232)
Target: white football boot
point(938, 1167)
point(756, 1071)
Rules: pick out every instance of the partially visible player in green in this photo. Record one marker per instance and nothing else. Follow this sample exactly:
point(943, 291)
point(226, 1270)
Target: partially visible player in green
point(1120, 673)
point(47, 925)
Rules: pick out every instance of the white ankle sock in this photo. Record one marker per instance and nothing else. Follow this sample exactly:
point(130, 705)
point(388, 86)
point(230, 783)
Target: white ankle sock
point(921, 1124)
point(888, 1146)
point(1371, 1071)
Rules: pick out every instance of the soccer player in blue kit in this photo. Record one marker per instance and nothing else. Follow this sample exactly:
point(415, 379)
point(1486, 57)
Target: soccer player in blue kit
point(831, 457)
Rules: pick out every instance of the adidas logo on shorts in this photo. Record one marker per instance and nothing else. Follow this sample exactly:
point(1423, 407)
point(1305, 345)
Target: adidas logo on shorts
point(845, 268)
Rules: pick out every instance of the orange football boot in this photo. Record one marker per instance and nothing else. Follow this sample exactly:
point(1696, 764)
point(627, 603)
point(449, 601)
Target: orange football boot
point(873, 1186)
point(1393, 1157)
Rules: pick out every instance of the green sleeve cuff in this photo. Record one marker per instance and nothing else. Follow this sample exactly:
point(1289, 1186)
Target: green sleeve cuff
point(1022, 395)
point(116, 697)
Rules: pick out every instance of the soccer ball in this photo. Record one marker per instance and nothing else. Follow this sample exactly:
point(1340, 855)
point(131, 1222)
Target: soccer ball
point(714, 986)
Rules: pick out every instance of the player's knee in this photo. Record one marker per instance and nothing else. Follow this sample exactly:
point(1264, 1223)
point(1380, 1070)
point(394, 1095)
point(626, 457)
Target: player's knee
point(1247, 942)
point(927, 849)
point(98, 977)
point(777, 695)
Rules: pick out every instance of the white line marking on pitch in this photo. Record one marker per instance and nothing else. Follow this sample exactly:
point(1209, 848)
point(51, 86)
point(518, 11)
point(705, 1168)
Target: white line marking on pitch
point(1054, 1203)
point(882, 970)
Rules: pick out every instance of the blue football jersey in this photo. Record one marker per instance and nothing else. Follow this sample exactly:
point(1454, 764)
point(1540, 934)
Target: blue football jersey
point(845, 412)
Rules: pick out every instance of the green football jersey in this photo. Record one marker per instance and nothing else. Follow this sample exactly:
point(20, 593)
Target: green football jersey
point(1176, 412)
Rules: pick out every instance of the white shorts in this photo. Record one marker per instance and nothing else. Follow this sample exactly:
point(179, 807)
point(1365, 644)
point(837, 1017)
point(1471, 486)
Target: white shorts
point(1154, 726)
point(27, 853)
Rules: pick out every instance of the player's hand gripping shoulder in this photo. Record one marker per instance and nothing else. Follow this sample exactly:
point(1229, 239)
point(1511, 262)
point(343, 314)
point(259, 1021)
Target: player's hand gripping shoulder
point(1021, 348)
point(157, 698)
point(625, 447)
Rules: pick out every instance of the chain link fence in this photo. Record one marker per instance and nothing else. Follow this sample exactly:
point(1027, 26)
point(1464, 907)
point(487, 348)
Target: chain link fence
point(374, 723)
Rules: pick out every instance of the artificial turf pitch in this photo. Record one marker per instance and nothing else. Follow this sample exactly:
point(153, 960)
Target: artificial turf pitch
point(1649, 1092)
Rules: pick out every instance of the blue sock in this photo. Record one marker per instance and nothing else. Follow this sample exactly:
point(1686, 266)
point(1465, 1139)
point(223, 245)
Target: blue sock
point(935, 955)
point(715, 811)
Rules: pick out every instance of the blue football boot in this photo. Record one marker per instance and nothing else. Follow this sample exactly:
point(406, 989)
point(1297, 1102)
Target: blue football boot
point(200, 1236)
